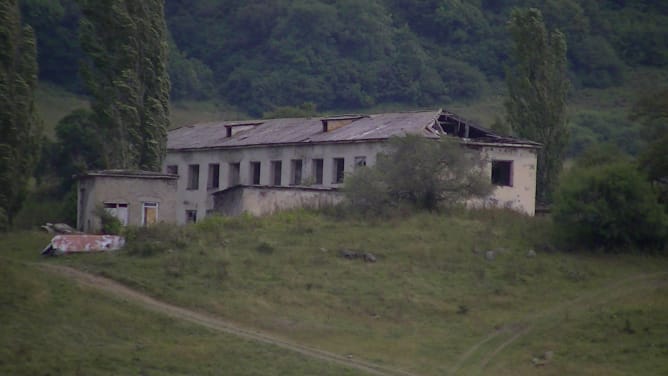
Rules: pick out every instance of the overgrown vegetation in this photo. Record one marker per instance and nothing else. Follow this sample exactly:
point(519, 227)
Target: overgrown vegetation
point(418, 172)
point(432, 297)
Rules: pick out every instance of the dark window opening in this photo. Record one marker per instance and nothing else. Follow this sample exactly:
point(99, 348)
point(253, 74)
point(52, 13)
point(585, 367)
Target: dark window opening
point(191, 216)
point(296, 172)
point(234, 172)
point(360, 162)
point(502, 173)
point(317, 170)
point(276, 171)
point(173, 169)
point(214, 176)
point(338, 170)
point(255, 173)
point(193, 177)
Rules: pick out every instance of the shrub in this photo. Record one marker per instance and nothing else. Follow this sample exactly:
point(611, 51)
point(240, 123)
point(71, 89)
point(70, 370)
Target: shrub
point(110, 224)
point(609, 206)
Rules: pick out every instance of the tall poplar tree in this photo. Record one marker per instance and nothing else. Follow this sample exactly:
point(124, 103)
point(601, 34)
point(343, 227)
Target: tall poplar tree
point(19, 126)
point(125, 42)
point(537, 88)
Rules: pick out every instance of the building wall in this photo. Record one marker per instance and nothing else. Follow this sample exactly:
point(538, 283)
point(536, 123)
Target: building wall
point(520, 196)
point(95, 191)
point(267, 200)
point(201, 199)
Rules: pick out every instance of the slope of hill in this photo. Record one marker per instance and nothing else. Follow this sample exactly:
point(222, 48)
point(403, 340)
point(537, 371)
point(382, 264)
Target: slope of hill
point(435, 302)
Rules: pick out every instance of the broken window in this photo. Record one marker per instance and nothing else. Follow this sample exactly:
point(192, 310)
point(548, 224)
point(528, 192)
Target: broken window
point(149, 213)
point(233, 174)
point(338, 170)
point(173, 169)
point(502, 173)
point(191, 216)
point(193, 177)
point(214, 176)
point(276, 171)
point(255, 173)
point(118, 210)
point(296, 173)
point(317, 171)
point(360, 162)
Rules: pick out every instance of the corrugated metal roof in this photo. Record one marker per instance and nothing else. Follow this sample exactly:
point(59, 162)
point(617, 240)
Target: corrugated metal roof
point(307, 130)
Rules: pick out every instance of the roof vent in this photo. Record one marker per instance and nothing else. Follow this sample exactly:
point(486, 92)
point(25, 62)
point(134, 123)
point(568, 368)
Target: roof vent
point(234, 128)
point(335, 122)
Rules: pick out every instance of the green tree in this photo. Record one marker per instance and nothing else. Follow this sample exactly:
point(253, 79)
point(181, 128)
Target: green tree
point(422, 172)
point(651, 111)
point(125, 42)
point(609, 205)
point(537, 88)
point(19, 127)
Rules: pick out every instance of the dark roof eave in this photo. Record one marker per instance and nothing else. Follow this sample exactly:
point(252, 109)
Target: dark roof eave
point(277, 144)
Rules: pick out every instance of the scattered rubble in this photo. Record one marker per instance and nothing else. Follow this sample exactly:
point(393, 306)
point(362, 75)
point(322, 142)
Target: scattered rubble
point(59, 228)
point(531, 253)
point(366, 256)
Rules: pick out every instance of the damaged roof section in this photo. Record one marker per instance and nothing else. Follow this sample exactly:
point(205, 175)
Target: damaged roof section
point(333, 129)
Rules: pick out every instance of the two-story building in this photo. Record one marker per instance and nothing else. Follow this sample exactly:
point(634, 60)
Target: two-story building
point(311, 154)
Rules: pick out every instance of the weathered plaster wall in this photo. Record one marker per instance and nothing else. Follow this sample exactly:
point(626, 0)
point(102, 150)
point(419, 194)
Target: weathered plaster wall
point(259, 201)
point(520, 196)
point(96, 190)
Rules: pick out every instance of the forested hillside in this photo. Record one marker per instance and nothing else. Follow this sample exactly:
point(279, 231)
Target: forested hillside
point(338, 54)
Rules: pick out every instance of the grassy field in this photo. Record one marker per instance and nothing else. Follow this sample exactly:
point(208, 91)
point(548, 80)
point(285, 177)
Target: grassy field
point(51, 326)
point(432, 304)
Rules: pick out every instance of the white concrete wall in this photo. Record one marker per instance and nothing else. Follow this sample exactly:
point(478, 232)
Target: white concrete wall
point(521, 196)
point(267, 200)
point(202, 200)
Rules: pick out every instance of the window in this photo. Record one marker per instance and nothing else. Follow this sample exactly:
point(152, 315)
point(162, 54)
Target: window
point(502, 173)
point(317, 171)
point(276, 170)
point(214, 176)
point(234, 172)
point(360, 162)
point(255, 172)
point(193, 177)
point(296, 173)
point(173, 169)
point(338, 170)
point(149, 214)
point(191, 216)
point(118, 210)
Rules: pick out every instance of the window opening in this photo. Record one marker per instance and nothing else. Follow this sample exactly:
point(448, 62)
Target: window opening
point(360, 162)
point(191, 216)
point(255, 172)
point(214, 176)
point(276, 171)
point(296, 172)
point(502, 173)
point(234, 173)
point(173, 169)
point(118, 210)
point(317, 170)
point(193, 177)
point(338, 170)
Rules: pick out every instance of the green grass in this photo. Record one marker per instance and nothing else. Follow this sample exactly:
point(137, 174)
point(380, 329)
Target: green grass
point(428, 300)
point(51, 326)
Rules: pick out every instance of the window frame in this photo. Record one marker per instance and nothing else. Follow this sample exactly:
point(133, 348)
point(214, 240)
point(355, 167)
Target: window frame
point(213, 178)
point(193, 177)
point(507, 167)
point(255, 172)
point(296, 171)
point(276, 172)
point(338, 176)
point(318, 169)
point(149, 204)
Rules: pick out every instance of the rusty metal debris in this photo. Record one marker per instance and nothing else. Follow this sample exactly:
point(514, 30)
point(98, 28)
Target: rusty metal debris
point(77, 243)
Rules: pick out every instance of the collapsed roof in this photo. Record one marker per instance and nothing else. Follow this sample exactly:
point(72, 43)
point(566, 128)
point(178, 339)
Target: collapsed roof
point(334, 129)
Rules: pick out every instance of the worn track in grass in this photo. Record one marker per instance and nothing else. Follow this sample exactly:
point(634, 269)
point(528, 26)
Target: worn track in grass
point(114, 288)
point(479, 356)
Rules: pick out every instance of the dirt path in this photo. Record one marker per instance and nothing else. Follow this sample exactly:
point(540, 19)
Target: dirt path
point(479, 356)
point(214, 323)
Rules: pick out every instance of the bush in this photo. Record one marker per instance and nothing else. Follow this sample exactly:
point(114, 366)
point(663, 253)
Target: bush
point(424, 173)
point(610, 206)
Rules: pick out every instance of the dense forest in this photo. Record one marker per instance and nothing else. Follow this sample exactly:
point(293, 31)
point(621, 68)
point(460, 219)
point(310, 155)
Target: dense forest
point(339, 54)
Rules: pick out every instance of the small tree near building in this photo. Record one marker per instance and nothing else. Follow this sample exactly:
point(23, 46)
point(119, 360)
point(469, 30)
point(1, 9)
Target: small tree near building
point(424, 173)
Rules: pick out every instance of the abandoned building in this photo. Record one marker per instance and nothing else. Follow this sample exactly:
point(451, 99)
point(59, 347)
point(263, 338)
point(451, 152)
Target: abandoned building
point(136, 198)
point(260, 166)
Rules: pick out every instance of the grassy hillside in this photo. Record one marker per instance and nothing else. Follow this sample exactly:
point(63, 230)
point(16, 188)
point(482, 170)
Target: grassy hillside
point(52, 326)
point(432, 304)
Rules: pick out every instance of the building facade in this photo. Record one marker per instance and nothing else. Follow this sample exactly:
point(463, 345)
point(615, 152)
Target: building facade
point(136, 198)
point(319, 152)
